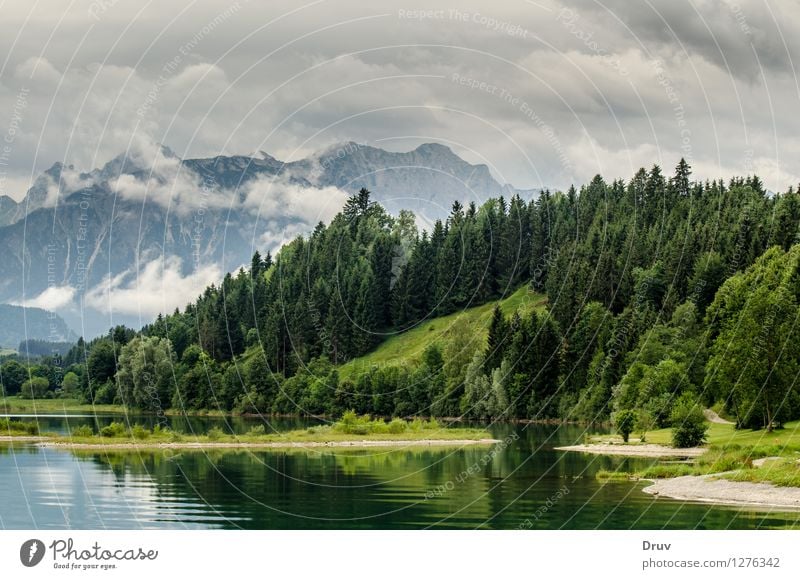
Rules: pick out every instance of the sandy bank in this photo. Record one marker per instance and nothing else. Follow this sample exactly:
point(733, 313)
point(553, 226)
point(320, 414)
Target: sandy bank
point(261, 445)
point(22, 438)
point(709, 489)
point(644, 450)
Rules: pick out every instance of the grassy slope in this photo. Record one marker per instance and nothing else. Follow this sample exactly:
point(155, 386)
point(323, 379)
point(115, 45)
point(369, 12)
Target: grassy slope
point(407, 348)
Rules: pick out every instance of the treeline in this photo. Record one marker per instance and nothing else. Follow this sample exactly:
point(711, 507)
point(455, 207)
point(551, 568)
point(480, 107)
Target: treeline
point(632, 272)
point(37, 348)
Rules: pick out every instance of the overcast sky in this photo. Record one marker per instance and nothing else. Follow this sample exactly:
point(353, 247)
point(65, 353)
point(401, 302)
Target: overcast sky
point(545, 93)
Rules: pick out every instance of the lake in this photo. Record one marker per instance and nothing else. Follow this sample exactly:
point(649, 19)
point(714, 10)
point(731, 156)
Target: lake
point(520, 483)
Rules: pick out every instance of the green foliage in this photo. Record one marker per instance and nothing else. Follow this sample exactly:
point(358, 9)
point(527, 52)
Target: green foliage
point(397, 426)
point(82, 431)
point(145, 373)
point(35, 387)
point(139, 432)
point(12, 376)
point(624, 422)
point(70, 385)
point(644, 423)
point(756, 341)
point(10, 426)
point(689, 427)
point(352, 423)
point(215, 433)
point(113, 430)
point(370, 314)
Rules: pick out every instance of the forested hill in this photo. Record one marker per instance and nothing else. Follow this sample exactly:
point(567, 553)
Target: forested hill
point(18, 323)
point(646, 283)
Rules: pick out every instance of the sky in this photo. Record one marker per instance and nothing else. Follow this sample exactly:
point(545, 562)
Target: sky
point(545, 93)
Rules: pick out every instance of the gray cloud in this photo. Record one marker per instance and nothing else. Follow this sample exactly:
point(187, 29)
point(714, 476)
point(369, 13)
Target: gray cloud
point(577, 88)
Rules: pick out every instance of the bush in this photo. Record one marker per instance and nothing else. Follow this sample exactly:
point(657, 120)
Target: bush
point(82, 431)
point(113, 430)
point(689, 426)
point(139, 432)
point(259, 430)
point(351, 423)
point(36, 387)
point(18, 426)
point(215, 433)
point(624, 422)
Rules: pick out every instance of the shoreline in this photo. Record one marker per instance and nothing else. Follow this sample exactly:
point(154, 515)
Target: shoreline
point(640, 450)
point(45, 442)
point(20, 406)
point(712, 489)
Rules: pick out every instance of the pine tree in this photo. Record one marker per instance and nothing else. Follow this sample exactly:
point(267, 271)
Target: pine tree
point(497, 341)
point(680, 182)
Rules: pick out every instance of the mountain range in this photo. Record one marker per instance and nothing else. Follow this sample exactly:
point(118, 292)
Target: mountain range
point(18, 324)
point(148, 230)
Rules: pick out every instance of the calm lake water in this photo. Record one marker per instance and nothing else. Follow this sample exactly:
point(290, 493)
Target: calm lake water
point(524, 483)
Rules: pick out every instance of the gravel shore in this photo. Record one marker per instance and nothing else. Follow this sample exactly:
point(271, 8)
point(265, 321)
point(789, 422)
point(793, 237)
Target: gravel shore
point(710, 489)
point(263, 445)
point(645, 450)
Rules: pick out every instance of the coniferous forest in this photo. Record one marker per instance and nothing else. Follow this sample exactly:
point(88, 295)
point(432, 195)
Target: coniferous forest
point(657, 291)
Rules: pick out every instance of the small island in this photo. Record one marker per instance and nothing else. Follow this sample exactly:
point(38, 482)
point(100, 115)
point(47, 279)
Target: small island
point(351, 431)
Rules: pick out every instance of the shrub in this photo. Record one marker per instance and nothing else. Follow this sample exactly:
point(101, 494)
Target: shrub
point(215, 433)
point(139, 432)
point(624, 421)
point(175, 436)
point(18, 426)
point(351, 423)
point(82, 431)
point(689, 426)
point(113, 430)
point(259, 430)
point(419, 424)
point(397, 426)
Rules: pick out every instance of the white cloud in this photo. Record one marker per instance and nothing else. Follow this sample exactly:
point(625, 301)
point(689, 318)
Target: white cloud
point(37, 69)
point(52, 299)
point(158, 287)
point(167, 182)
point(273, 198)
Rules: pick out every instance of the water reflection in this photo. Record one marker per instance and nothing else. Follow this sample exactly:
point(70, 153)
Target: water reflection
point(526, 484)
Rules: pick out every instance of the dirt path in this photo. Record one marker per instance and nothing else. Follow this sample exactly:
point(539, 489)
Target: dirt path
point(712, 416)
